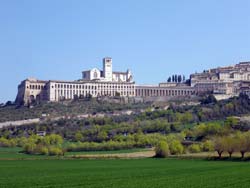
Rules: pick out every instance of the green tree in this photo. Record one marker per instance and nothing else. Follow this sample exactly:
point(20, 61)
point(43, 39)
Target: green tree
point(243, 143)
point(194, 148)
point(208, 146)
point(232, 122)
point(230, 145)
point(176, 147)
point(162, 149)
point(219, 145)
point(78, 136)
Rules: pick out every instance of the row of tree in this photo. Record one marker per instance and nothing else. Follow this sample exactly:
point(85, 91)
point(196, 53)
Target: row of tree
point(239, 142)
point(176, 78)
point(48, 145)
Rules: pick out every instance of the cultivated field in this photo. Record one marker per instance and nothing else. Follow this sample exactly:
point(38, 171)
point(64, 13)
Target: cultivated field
point(144, 173)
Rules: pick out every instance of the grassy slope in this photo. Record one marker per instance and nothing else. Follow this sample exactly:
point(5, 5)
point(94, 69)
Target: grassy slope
point(145, 173)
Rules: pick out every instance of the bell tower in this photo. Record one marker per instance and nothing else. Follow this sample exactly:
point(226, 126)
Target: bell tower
point(107, 69)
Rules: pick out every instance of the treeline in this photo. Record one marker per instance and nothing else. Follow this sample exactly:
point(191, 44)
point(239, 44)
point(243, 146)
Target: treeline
point(239, 142)
point(48, 145)
point(176, 78)
point(66, 108)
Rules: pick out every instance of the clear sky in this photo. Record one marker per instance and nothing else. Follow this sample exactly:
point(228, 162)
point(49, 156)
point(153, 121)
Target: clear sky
point(57, 39)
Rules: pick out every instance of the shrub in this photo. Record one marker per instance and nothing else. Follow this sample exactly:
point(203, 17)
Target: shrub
point(208, 146)
point(40, 149)
point(52, 139)
point(44, 151)
point(78, 136)
point(162, 149)
point(194, 148)
point(21, 141)
point(4, 142)
point(55, 151)
point(29, 148)
point(176, 147)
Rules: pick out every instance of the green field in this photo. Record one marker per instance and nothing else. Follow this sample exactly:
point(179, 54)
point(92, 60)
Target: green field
point(145, 173)
point(16, 153)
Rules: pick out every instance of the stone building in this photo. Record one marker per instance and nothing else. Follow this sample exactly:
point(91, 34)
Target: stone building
point(93, 83)
point(223, 82)
point(163, 91)
point(107, 73)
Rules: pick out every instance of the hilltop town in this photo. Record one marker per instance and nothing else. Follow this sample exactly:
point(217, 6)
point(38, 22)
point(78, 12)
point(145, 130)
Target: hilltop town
point(222, 82)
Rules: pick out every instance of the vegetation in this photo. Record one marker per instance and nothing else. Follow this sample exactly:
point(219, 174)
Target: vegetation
point(65, 108)
point(162, 149)
point(177, 130)
point(240, 142)
point(142, 173)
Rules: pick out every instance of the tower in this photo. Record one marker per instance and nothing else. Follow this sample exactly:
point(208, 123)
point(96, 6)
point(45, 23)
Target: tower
point(107, 69)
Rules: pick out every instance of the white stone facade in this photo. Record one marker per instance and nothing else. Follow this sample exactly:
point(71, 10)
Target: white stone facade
point(161, 91)
point(94, 83)
point(107, 74)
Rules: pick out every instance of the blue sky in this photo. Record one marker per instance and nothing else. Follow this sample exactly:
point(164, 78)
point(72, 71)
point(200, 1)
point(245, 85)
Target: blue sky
point(57, 39)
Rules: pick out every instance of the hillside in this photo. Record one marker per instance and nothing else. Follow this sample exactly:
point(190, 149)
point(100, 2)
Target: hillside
point(66, 108)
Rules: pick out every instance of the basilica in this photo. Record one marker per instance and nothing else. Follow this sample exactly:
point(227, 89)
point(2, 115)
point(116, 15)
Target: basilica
point(93, 83)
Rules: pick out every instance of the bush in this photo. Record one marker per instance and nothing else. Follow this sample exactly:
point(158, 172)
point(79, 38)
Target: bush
point(29, 148)
point(4, 142)
point(21, 141)
point(43, 150)
point(162, 149)
point(55, 151)
point(194, 148)
point(52, 139)
point(208, 146)
point(176, 147)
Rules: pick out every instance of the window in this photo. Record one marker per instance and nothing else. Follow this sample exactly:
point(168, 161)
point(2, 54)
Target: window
point(95, 74)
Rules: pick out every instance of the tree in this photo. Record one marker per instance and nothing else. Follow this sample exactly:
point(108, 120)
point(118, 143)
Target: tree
point(176, 147)
point(219, 145)
point(230, 145)
point(179, 79)
point(175, 78)
point(243, 143)
point(102, 136)
point(55, 151)
point(187, 117)
point(52, 139)
point(194, 148)
point(208, 146)
point(162, 149)
point(29, 148)
point(78, 136)
point(4, 142)
point(232, 122)
point(209, 99)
